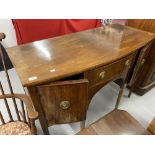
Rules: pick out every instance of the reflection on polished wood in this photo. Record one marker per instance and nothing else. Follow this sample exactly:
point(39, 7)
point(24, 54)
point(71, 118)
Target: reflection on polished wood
point(63, 73)
point(118, 122)
point(59, 57)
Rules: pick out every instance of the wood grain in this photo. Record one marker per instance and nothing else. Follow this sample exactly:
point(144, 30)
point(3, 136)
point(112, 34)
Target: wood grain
point(74, 92)
point(111, 71)
point(118, 122)
point(146, 76)
point(138, 69)
point(59, 57)
point(77, 57)
point(6, 103)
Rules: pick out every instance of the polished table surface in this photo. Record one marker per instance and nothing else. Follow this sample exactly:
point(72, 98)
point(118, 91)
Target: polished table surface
point(52, 59)
point(96, 57)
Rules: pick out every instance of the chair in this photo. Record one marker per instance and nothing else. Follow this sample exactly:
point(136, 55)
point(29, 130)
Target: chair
point(118, 122)
point(24, 123)
point(25, 118)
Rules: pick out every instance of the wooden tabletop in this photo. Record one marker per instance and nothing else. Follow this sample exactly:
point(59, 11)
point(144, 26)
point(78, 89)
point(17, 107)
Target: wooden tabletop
point(52, 59)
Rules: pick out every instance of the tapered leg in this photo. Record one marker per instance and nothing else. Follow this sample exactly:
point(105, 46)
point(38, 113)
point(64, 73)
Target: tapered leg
point(120, 94)
point(82, 124)
point(130, 92)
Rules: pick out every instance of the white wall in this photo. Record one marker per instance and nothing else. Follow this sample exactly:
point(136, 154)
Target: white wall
point(6, 26)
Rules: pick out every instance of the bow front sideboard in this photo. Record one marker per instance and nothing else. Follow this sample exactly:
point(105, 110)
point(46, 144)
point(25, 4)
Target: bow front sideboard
point(62, 74)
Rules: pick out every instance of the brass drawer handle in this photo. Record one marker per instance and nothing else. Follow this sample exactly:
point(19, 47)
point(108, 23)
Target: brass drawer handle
point(143, 61)
point(102, 75)
point(64, 105)
point(127, 62)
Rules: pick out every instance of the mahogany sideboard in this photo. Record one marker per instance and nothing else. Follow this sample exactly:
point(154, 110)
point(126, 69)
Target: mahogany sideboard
point(145, 79)
point(63, 73)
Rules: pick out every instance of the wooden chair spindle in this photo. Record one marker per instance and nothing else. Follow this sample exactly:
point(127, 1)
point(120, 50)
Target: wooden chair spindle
point(9, 82)
point(23, 111)
point(1, 118)
point(6, 103)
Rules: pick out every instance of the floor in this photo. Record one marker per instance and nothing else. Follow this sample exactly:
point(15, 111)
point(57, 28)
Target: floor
point(142, 108)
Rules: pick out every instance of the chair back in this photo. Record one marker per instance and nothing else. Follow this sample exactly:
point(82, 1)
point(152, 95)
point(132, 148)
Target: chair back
point(18, 105)
point(8, 111)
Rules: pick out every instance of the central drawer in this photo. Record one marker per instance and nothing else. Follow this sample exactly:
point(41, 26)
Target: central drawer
point(106, 73)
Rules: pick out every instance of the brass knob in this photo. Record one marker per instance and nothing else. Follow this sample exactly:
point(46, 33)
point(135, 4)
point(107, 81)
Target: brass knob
point(102, 75)
point(143, 61)
point(64, 105)
point(127, 62)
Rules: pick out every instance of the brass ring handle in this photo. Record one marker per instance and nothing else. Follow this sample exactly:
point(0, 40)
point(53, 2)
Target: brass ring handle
point(64, 105)
point(127, 62)
point(102, 75)
point(143, 61)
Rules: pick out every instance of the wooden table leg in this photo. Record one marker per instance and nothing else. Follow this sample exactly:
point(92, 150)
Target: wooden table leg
point(120, 93)
point(82, 124)
point(130, 91)
point(33, 93)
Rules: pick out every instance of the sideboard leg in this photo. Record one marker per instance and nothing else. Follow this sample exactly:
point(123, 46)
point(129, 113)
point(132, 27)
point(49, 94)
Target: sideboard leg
point(120, 94)
point(130, 92)
point(82, 124)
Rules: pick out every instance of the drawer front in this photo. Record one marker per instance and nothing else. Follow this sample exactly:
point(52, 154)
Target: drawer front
point(106, 73)
point(64, 102)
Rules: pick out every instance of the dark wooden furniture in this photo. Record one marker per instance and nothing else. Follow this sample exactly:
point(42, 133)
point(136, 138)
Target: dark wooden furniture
point(69, 101)
point(56, 71)
point(23, 123)
point(145, 77)
point(118, 122)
